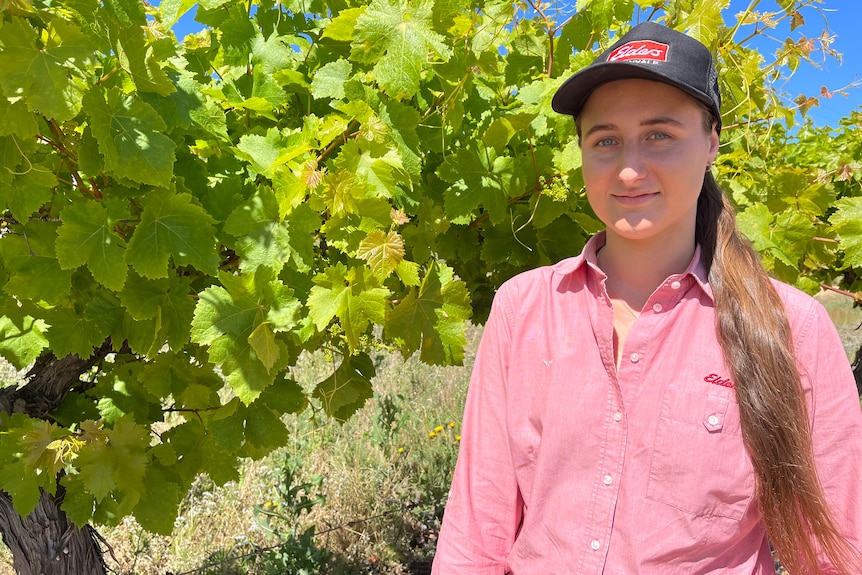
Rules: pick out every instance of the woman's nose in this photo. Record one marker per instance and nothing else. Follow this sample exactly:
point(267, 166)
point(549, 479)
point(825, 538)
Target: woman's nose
point(631, 165)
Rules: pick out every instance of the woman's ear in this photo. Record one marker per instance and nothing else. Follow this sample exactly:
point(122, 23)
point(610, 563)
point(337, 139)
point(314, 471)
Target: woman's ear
point(713, 142)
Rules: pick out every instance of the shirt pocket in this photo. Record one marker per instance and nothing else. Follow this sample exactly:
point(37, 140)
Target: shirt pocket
point(699, 462)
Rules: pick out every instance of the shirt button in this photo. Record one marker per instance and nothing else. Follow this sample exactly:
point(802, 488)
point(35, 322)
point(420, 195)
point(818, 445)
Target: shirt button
point(608, 479)
point(595, 545)
point(634, 357)
point(675, 284)
point(712, 420)
point(656, 307)
point(618, 416)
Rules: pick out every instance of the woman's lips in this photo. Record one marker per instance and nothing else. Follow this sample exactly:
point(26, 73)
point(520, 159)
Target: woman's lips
point(635, 198)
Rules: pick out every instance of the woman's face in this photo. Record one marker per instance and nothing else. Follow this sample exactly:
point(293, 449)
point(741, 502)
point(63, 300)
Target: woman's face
point(645, 151)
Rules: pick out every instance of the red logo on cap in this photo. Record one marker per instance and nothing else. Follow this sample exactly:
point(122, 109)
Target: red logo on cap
point(640, 50)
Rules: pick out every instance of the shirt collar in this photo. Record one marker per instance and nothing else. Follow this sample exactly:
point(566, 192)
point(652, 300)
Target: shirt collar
point(696, 269)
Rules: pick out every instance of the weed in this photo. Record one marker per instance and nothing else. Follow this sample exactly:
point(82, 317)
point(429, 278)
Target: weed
point(284, 522)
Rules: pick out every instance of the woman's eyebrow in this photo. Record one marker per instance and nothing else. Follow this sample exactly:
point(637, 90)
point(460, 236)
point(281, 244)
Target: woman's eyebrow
point(655, 121)
point(662, 120)
point(600, 128)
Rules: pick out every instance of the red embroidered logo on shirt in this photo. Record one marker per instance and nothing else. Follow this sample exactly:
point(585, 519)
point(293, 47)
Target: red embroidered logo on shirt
point(717, 380)
point(641, 50)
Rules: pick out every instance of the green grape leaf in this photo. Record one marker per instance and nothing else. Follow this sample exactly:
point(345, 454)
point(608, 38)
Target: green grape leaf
point(71, 333)
point(115, 462)
point(40, 450)
point(29, 258)
point(348, 388)
point(704, 21)
point(17, 478)
point(432, 319)
point(284, 396)
point(561, 239)
point(408, 272)
point(378, 167)
point(303, 223)
point(262, 238)
point(350, 295)
point(498, 134)
point(172, 10)
point(263, 342)
point(28, 191)
point(158, 507)
point(96, 470)
point(384, 252)
point(341, 27)
point(602, 12)
point(139, 62)
point(264, 429)
point(24, 490)
point(228, 426)
point(847, 225)
point(15, 120)
point(20, 346)
point(262, 151)
point(268, 57)
point(87, 237)
point(172, 227)
point(126, 12)
point(79, 504)
point(757, 223)
point(122, 393)
point(403, 121)
point(793, 232)
point(504, 244)
point(329, 80)
point(226, 319)
point(167, 301)
point(76, 407)
point(398, 39)
point(476, 182)
point(201, 452)
point(130, 136)
point(46, 75)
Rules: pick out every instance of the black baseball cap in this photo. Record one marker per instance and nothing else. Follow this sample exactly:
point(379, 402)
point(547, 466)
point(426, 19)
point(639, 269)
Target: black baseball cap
point(649, 51)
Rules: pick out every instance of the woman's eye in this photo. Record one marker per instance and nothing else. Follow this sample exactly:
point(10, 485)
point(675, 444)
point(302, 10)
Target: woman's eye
point(659, 136)
point(604, 142)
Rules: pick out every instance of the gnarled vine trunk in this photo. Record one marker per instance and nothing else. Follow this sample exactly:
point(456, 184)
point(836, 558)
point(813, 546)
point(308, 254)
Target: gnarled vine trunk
point(46, 542)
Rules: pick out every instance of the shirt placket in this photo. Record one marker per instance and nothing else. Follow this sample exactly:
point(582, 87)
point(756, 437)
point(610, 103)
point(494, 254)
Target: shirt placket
point(607, 485)
point(622, 383)
point(611, 457)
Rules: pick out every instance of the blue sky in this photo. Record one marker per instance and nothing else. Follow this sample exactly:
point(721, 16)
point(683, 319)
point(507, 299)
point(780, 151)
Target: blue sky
point(844, 19)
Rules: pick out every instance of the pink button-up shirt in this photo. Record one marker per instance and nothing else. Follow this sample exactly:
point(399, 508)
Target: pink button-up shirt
point(570, 466)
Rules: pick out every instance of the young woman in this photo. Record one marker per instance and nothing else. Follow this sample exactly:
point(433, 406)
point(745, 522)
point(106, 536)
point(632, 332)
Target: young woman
point(656, 404)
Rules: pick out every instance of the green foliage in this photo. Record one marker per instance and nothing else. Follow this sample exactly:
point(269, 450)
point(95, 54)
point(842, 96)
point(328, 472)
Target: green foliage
point(324, 176)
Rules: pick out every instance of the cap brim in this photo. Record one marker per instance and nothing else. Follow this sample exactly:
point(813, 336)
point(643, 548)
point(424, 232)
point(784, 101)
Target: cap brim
point(574, 92)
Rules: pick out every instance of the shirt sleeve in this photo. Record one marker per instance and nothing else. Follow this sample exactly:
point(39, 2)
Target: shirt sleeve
point(484, 509)
point(836, 426)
